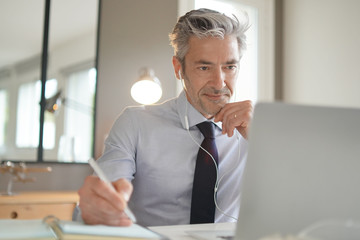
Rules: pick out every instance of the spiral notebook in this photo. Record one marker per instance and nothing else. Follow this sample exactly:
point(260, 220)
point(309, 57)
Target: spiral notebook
point(50, 228)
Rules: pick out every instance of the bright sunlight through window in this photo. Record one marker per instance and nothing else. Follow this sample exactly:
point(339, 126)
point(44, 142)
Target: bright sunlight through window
point(3, 116)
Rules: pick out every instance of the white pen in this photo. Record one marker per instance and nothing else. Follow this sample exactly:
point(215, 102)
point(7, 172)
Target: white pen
point(102, 176)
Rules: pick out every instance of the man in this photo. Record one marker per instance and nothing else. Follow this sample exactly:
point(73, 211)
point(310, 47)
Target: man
point(156, 147)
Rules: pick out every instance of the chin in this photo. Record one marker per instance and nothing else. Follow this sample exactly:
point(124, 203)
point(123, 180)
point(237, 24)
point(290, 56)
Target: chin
point(213, 111)
point(211, 108)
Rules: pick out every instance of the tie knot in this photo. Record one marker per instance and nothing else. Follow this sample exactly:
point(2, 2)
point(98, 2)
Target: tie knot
point(207, 129)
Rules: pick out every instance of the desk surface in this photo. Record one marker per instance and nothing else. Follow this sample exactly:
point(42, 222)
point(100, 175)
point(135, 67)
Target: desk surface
point(181, 232)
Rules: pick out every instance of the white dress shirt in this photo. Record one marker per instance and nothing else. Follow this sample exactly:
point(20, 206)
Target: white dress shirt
point(151, 147)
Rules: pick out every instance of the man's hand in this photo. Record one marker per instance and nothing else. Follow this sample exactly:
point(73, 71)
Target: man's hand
point(235, 115)
point(100, 204)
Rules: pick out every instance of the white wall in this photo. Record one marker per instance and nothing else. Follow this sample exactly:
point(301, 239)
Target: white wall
point(134, 34)
point(321, 52)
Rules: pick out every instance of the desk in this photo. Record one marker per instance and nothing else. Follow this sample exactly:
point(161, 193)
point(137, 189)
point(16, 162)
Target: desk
point(30, 205)
point(180, 232)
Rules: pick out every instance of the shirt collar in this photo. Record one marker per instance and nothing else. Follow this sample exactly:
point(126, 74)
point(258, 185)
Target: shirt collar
point(194, 117)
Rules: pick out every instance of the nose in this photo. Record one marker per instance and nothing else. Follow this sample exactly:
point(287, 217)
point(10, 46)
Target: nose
point(218, 80)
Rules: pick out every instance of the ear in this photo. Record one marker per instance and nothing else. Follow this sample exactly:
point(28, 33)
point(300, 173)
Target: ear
point(177, 66)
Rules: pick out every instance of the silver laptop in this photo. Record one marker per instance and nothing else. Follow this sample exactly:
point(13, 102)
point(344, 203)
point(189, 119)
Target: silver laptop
point(302, 177)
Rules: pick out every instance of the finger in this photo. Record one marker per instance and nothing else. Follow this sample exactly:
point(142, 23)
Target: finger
point(124, 187)
point(98, 211)
point(232, 121)
point(99, 217)
point(244, 131)
point(102, 190)
point(227, 115)
point(96, 208)
point(223, 112)
point(235, 115)
point(224, 115)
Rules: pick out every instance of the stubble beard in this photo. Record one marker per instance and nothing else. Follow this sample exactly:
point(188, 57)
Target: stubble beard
point(203, 104)
point(212, 107)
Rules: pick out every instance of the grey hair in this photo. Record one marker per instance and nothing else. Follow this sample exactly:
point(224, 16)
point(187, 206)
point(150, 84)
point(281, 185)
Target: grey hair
point(204, 23)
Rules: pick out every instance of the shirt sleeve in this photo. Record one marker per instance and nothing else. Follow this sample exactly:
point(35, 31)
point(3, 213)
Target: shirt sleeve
point(118, 159)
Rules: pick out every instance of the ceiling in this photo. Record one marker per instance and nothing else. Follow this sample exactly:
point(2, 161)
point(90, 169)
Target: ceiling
point(22, 22)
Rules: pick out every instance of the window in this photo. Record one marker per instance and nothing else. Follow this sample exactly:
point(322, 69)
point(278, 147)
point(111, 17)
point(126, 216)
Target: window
point(3, 116)
point(70, 40)
point(28, 112)
point(77, 139)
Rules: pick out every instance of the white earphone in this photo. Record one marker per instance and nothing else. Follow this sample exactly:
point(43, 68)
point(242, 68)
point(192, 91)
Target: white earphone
point(186, 120)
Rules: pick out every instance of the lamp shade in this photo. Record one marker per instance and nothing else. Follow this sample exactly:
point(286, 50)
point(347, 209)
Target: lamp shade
point(147, 89)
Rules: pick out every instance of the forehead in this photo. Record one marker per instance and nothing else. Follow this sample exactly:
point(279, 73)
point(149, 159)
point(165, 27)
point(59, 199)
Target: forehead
point(213, 49)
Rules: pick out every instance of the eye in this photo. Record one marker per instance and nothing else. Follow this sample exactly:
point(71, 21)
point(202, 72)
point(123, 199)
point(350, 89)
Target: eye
point(232, 67)
point(203, 68)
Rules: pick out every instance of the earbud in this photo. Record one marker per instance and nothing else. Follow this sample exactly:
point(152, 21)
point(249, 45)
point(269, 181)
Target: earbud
point(180, 75)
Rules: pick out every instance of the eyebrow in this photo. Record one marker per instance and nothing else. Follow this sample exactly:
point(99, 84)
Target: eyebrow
point(233, 61)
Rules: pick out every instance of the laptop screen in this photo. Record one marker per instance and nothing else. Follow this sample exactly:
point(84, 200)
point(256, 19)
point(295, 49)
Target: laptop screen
point(302, 174)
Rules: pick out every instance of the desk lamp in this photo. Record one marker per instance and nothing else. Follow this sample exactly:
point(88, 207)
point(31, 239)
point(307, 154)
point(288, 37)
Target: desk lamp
point(147, 88)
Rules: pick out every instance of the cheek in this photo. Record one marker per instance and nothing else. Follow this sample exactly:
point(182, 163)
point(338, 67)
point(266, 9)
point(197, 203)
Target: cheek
point(194, 84)
point(231, 85)
point(231, 82)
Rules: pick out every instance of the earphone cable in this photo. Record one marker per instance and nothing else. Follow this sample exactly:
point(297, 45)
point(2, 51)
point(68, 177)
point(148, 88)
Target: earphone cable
point(217, 182)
